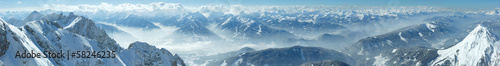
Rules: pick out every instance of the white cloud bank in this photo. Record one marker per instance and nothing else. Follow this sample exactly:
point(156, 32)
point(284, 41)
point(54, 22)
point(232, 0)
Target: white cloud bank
point(160, 8)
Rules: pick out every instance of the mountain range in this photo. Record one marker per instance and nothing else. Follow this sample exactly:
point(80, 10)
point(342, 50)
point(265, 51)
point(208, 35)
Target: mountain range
point(54, 32)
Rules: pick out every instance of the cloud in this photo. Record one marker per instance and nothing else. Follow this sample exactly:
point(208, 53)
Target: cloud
point(171, 9)
point(158, 8)
point(19, 2)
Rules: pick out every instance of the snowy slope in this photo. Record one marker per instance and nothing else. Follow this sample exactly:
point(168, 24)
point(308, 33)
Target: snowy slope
point(16, 22)
point(215, 60)
point(479, 47)
point(326, 63)
point(290, 56)
point(55, 32)
point(17, 40)
point(494, 12)
point(140, 53)
point(187, 20)
point(493, 26)
point(416, 56)
point(137, 22)
point(34, 16)
point(248, 29)
point(192, 28)
point(425, 35)
point(109, 28)
point(193, 32)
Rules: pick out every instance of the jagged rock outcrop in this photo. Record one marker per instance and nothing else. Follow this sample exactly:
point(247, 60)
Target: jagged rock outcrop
point(4, 44)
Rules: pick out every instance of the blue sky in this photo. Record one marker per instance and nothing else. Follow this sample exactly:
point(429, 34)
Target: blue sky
point(463, 4)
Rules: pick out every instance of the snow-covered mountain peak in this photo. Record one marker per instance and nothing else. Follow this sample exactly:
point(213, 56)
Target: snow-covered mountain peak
point(494, 12)
point(193, 16)
point(481, 32)
point(477, 48)
point(139, 45)
point(150, 54)
point(35, 15)
point(246, 49)
point(71, 14)
point(53, 32)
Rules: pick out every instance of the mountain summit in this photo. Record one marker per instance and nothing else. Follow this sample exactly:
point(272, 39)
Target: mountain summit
point(479, 47)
